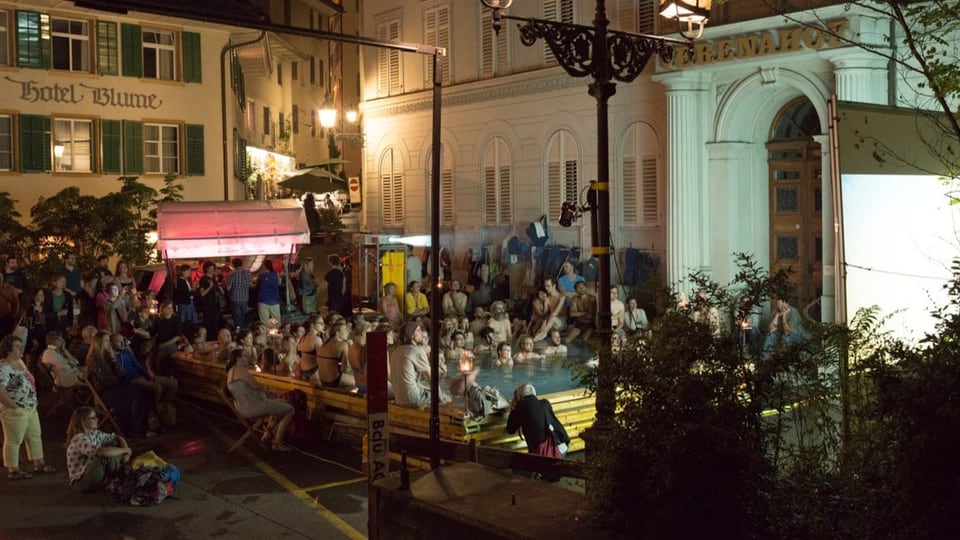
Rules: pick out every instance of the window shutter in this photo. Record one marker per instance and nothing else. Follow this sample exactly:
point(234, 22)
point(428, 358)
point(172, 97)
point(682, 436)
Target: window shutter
point(437, 32)
point(110, 143)
point(132, 147)
point(487, 67)
point(490, 204)
point(571, 181)
point(194, 149)
point(627, 16)
point(550, 11)
point(388, 60)
point(108, 48)
point(647, 14)
point(651, 191)
point(446, 198)
point(33, 40)
point(192, 72)
point(506, 196)
point(131, 42)
point(35, 143)
point(631, 184)
point(554, 186)
point(397, 199)
point(386, 206)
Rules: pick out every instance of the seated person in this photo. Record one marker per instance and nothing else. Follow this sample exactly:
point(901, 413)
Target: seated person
point(389, 306)
point(635, 318)
point(162, 388)
point(485, 341)
point(526, 352)
point(457, 346)
point(131, 403)
point(583, 313)
point(786, 326)
point(86, 338)
point(556, 317)
point(252, 402)
point(555, 346)
point(203, 349)
point(308, 346)
point(288, 356)
point(415, 303)
point(65, 369)
point(268, 361)
point(333, 357)
point(479, 321)
point(463, 325)
point(454, 302)
point(93, 457)
point(247, 347)
point(447, 327)
point(224, 345)
point(503, 357)
point(500, 322)
point(410, 371)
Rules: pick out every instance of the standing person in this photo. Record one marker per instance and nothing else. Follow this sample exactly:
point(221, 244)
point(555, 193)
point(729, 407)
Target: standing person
point(337, 299)
point(59, 306)
point(308, 287)
point(13, 275)
point(34, 319)
point(71, 272)
point(9, 308)
point(86, 298)
point(122, 277)
point(103, 269)
point(454, 302)
point(268, 293)
point(211, 299)
point(113, 309)
point(238, 289)
point(18, 411)
point(535, 419)
point(183, 298)
point(93, 457)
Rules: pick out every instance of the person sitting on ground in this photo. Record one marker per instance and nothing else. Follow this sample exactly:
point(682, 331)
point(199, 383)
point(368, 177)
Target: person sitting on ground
point(555, 345)
point(65, 369)
point(93, 457)
point(705, 313)
point(131, 403)
point(18, 411)
point(333, 357)
point(288, 356)
point(410, 371)
point(500, 322)
point(583, 312)
point(557, 315)
point(252, 402)
point(526, 352)
point(162, 388)
point(389, 306)
point(567, 283)
point(454, 302)
point(617, 310)
point(504, 355)
point(308, 346)
point(415, 304)
point(786, 326)
point(539, 311)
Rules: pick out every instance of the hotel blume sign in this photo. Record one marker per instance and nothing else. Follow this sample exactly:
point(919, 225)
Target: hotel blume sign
point(757, 44)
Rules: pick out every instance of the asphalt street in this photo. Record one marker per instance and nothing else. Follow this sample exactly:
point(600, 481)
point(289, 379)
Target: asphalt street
point(317, 491)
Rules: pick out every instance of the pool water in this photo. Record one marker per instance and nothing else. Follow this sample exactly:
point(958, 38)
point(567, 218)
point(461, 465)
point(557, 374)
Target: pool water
point(547, 375)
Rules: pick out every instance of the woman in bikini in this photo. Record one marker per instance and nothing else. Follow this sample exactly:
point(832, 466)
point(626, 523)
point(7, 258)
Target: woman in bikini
point(308, 346)
point(332, 356)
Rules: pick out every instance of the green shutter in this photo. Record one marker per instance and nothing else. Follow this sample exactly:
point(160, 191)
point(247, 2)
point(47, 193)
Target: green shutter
point(191, 58)
point(110, 144)
point(35, 144)
point(132, 147)
point(108, 48)
point(33, 40)
point(195, 149)
point(131, 40)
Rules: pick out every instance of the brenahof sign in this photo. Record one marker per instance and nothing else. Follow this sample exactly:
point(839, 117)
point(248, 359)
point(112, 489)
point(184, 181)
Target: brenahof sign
point(765, 43)
point(75, 93)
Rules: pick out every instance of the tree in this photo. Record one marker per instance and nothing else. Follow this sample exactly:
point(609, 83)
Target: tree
point(13, 234)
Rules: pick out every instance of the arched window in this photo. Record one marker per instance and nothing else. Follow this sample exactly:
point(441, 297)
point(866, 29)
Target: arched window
point(563, 170)
point(497, 184)
point(640, 177)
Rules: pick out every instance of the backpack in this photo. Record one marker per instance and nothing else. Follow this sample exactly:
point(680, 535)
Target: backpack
point(537, 232)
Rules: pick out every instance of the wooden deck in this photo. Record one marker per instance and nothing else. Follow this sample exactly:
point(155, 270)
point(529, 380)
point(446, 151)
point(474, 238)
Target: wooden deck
point(201, 379)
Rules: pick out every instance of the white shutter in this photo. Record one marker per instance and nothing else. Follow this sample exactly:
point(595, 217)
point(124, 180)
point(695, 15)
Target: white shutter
point(394, 55)
point(554, 186)
point(630, 187)
point(646, 16)
point(627, 16)
point(388, 60)
point(436, 25)
point(391, 187)
point(551, 9)
point(487, 67)
point(651, 190)
point(490, 206)
point(571, 181)
point(397, 198)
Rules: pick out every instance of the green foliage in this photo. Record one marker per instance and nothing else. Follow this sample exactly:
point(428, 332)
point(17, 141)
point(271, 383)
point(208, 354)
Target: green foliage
point(12, 234)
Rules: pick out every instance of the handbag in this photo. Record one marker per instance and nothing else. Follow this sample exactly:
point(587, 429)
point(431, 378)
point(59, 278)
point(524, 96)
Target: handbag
point(549, 446)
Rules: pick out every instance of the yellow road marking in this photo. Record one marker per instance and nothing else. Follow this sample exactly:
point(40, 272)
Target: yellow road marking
point(329, 485)
point(294, 490)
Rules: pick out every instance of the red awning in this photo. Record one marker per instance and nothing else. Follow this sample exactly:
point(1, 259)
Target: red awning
point(193, 230)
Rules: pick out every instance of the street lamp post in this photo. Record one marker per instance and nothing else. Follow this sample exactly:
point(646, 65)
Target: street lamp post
point(605, 56)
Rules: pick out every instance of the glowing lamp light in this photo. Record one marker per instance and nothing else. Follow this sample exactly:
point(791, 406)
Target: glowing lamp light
point(352, 117)
point(467, 359)
point(328, 117)
point(695, 13)
point(497, 4)
point(58, 151)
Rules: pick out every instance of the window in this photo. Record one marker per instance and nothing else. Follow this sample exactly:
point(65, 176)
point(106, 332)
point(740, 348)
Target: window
point(436, 24)
point(33, 35)
point(313, 70)
point(391, 189)
point(563, 170)
point(74, 138)
point(4, 38)
point(635, 16)
point(280, 74)
point(295, 71)
point(388, 60)
point(71, 44)
point(111, 147)
point(494, 57)
point(266, 120)
point(108, 46)
point(36, 149)
point(446, 186)
point(640, 177)
point(161, 147)
point(6, 142)
point(159, 55)
point(251, 123)
point(556, 10)
point(295, 119)
point(497, 184)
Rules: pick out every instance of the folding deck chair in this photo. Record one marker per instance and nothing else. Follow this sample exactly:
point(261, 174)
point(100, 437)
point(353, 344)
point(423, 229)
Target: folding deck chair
point(102, 408)
point(259, 426)
point(69, 397)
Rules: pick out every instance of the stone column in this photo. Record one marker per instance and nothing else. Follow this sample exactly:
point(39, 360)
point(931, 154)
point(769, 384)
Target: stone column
point(687, 197)
point(830, 230)
point(738, 213)
point(860, 76)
